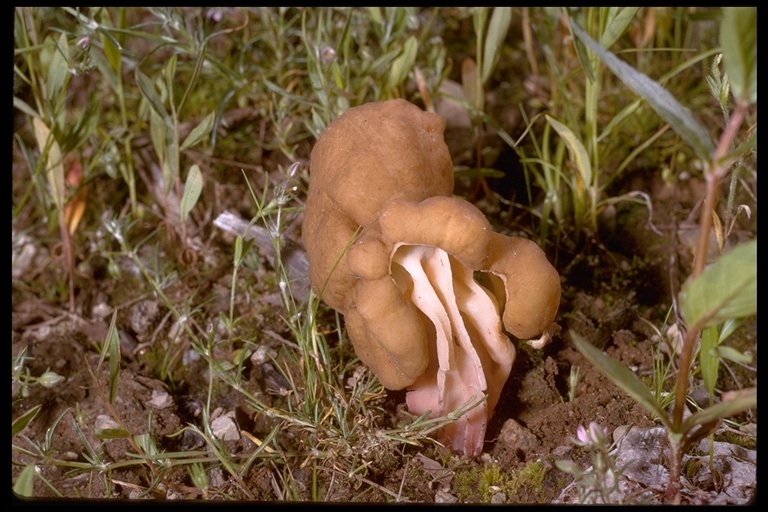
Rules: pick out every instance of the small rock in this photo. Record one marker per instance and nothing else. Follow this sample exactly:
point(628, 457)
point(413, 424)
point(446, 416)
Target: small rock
point(445, 497)
point(517, 438)
point(499, 497)
point(143, 314)
point(160, 400)
point(224, 428)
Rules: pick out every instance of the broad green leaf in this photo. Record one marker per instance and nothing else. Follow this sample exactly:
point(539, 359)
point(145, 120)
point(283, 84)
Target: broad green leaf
point(617, 25)
point(199, 132)
point(622, 377)
point(25, 482)
point(54, 167)
point(403, 64)
point(22, 421)
point(738, 39)
point(497, 32)
point(192, 189)
point(727, 289)
point(739, 402)
point(575, 148)
point(147, 88)
point(58, 70)
point(660, 99)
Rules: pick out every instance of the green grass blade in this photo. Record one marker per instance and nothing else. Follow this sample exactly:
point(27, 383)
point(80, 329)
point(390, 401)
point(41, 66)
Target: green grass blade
point(497, 32)
point(622, 377)
point(660, 99)
point(738, 38)
point(617, 25)
point(709, 360)
point(727, 289)
point(576, 149)
point(403, 64)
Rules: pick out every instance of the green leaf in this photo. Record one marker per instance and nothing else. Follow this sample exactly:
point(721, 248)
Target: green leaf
point(54, 167)
point(471, 85)
point(732, 354)
point(575, 148)
point(113, 339)
point(582, 54)
point(199, 132)
point(497, 32)
point(158, 132)
point(738, 39)
point(192, 189)
point(111, 433)
point(727, 289)
point(617, 25)
point(25, 483)
point(22, 421)
point(739, 402)
point(660, 99)
point(59, 69)
point(622, 377)
point(710, 362)
point(147, 88)
point(111, 48)
point(24, 107)
point(403, 64)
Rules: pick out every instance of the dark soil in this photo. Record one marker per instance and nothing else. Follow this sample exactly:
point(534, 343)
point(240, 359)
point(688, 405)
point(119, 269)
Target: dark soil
point(616, 294)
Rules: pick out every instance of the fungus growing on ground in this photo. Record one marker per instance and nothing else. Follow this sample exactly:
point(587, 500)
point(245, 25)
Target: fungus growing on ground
point(425, 286)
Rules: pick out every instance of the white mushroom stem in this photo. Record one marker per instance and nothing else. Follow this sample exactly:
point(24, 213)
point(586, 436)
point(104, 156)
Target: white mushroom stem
point(474, 357)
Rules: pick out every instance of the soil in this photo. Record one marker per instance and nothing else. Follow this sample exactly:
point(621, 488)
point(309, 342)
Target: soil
point(616, 293)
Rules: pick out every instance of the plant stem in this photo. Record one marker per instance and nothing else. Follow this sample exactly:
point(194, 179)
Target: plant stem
point(717, 171)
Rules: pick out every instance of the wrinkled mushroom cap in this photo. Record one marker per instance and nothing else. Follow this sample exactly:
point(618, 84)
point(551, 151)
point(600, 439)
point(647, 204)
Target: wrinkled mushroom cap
point(379, 151)
point(369, 155)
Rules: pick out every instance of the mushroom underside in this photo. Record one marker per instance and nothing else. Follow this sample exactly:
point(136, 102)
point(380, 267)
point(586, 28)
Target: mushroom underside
point(470, 356)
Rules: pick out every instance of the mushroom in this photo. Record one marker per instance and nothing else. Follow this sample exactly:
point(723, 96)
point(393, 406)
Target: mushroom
point(427, 289)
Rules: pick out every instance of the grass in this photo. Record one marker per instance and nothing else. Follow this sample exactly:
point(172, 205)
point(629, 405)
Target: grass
point(117, 110)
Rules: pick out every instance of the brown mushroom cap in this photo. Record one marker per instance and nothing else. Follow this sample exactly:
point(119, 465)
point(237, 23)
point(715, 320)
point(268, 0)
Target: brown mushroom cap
point(367, 156)
point(378, 151)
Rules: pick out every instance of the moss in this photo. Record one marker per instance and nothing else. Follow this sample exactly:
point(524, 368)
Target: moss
point(525, 484)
